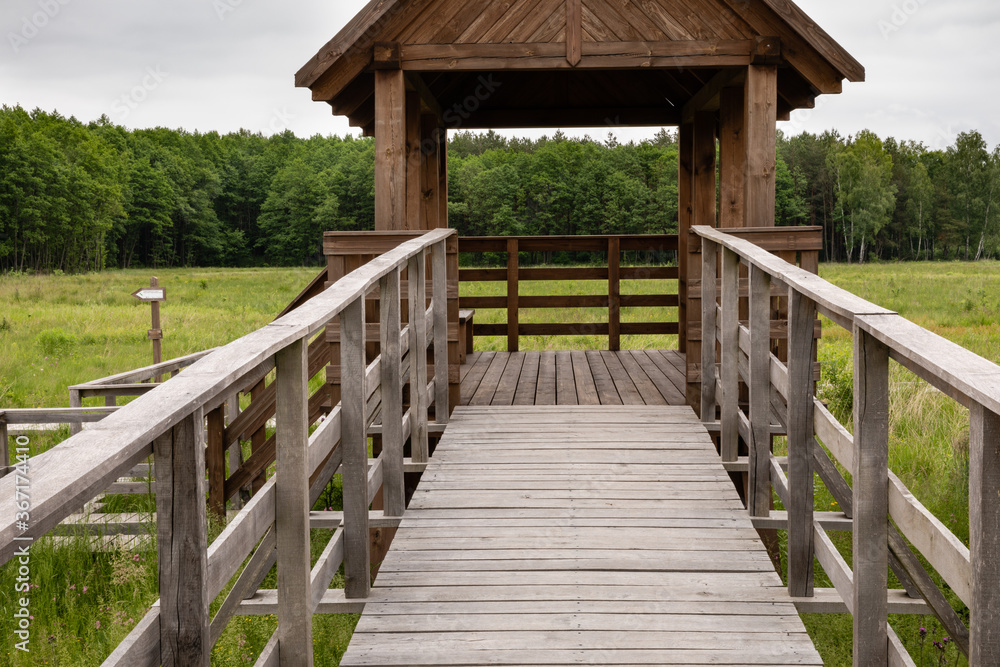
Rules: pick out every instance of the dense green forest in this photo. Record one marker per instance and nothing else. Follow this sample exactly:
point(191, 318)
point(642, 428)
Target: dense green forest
point(84, 197)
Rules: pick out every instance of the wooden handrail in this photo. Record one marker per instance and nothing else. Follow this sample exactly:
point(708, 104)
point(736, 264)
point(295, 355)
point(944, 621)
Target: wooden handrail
point(613, 274)
point(877, 494)
point(169, 423)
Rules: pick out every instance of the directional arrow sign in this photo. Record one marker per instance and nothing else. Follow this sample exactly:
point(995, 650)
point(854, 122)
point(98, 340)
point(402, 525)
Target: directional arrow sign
point(151, 294)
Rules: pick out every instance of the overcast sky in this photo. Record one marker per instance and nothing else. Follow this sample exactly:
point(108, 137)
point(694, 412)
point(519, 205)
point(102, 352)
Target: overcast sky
point(933, 65)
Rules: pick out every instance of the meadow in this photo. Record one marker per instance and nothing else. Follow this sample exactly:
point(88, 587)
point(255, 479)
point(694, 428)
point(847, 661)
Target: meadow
point(61, 330)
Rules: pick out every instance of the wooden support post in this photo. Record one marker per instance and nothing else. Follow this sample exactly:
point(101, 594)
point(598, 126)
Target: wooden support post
point(291, 504)
point(984, 531)
point(414, 163)
point(182, 533)
point(512, 293)
point(732, 155)
point(871, 499)
point(442, 138)
point(439, 274)
point(392, 396)
point(454, 346)
point(156, 333)
point(416, 277)
point(801, 345)
point(354, 440)
point(614, 294)
point(759, 491)
point(704, 202)
point(430, 180)
point(709, 304)
point(257, 439)
point(685, 176)
point(761, 143)
point(730, 439)
point(390, 150)
point(75, 401)
point(215, 458)
point(574, 31)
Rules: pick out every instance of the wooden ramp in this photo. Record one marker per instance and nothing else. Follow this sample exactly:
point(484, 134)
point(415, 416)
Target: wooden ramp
point(577, 535)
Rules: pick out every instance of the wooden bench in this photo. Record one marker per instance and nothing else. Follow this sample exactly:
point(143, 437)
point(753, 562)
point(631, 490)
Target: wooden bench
point(465, 335)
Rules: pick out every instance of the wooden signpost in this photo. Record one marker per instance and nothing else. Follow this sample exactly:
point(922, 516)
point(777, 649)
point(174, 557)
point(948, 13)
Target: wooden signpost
point(154, 294)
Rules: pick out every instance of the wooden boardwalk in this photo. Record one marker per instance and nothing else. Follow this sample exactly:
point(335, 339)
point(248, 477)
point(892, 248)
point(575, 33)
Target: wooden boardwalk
point(635, 377)
point(577, 535)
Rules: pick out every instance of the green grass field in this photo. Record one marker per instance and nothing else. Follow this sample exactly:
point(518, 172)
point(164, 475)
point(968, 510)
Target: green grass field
point(58, 331)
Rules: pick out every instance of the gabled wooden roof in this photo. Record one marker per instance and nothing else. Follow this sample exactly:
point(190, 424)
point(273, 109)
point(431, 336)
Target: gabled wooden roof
point(566, 50)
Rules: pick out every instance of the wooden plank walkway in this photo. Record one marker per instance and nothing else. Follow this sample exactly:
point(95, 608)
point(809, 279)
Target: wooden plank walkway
point(577, 535)
point(592, 377)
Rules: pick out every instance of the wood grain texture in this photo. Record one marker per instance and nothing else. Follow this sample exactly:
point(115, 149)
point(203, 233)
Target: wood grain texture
point(534, 559)
point(871, 501)
point(355, 445)
point(390, 150)
point(984, 527)
point(801, 389)
point(759, 382)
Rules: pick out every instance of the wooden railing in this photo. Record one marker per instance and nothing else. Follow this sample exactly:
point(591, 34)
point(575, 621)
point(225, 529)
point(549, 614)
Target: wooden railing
point(169, 423)
point(514, 302)
point(884, 514)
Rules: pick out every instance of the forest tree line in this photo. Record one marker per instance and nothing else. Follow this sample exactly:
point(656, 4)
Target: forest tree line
point(88, 196)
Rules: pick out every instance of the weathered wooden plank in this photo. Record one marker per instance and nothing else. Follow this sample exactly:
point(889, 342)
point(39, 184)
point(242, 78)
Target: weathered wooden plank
point(586, 387)
point(474, 378)
point(182, 532)
point(871, 498)
point(565, 379)
point(509, 380)
point(730, 354)
point(355, 445)
point(491, 379)
point(801, 352)
point(439, 259)
point(759, 490)
point(710, 255)
point(512, 295)
point(394, 493)
point(984, 529)
point(545, 394)
point(415, 271)
point(527, 382)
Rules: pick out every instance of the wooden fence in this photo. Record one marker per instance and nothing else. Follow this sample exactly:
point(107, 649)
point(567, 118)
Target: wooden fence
point(169, 423)
point(613, 274)
point(887, 519)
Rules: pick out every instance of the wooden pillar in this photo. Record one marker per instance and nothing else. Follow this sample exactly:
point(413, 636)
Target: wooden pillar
point(392, 396)
point(709, 317)
point(732, 158)
point(512, 296)
point(439, 301)
point(291, 505)
point(871, 499)
point(759, 490)
point(355, 443)
point(730, 353)
point(760, 125)
point(182, 533)
point(984, 531)
point(414, 163)
point(390, 150)
point(416, 271)
point(430, 207)
point(614, 294)
point(442, 139)
point(801, 342)
point(685, 175)
point(704, 204)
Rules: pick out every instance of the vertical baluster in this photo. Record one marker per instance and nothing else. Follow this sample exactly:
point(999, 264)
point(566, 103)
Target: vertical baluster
point(801, 352)
point(759, 493)
point(871, 499)
point(392, 396)
point(984, 530)
point(291, 504)
point(709, 258)
point(730, 354)
point(75, 401)
point(182, 532)
point(354, 440)
point(416, 274)
point(614, 294)
point(216, 461)
point(440, 302)
point(512, 296)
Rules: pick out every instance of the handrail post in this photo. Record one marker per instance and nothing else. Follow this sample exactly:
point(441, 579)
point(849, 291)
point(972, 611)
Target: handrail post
point(75, 401)
point(801, 347)
point(439, 275)
point(416, 275)
point(759, 493)
point(512, 295)
point(871, 499)
point(984, 533)
point(392, 395)
point(216, 461)
point(730, 355)
point(614, 294)
point(182, 532)
point(709, 325)
point(291, 504)
point(354, 440)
